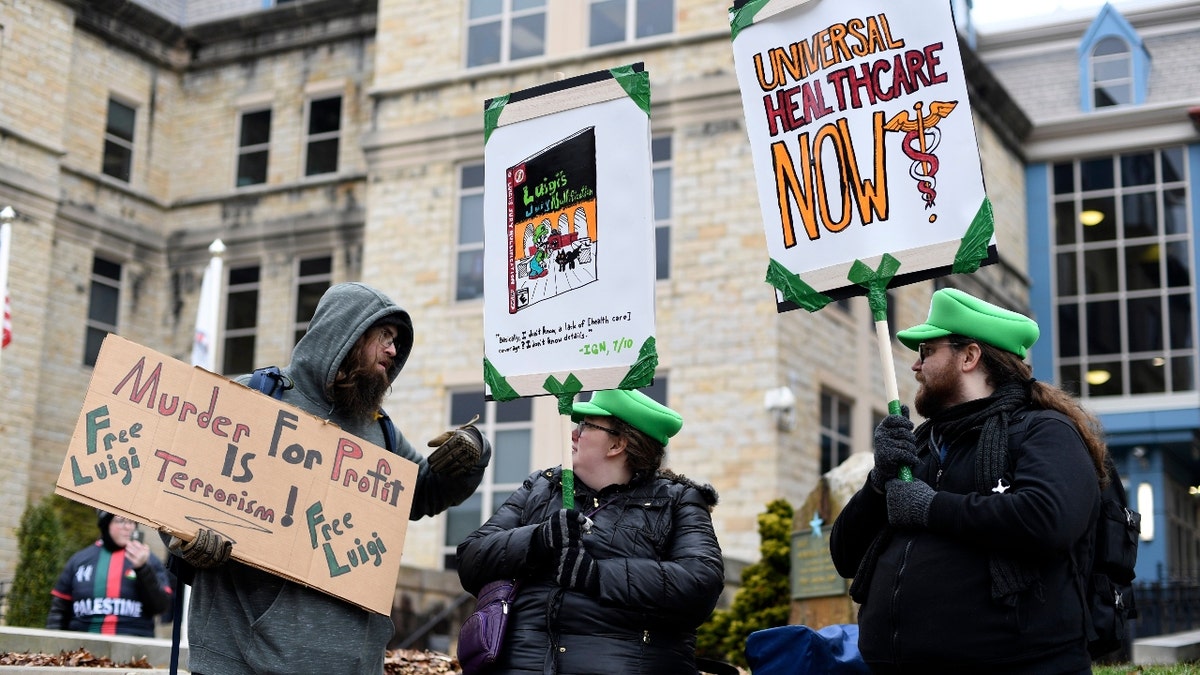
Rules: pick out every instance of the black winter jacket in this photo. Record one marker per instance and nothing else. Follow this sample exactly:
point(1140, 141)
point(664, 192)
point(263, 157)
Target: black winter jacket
point(661, 574)
point(928, 607)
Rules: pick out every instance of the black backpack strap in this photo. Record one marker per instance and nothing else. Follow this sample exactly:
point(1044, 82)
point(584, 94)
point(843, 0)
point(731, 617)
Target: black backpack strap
point(391, 440)
point(270, 381)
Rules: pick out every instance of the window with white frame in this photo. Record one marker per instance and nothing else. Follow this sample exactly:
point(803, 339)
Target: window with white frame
point(1124, 295)
point(241, 319)
point(324, 135)
point(1111, 71)
point(469, 269)
point(118, 141)
point(499, 31)
point(660, 155)
point(104, 304)
point(313, 277)
point(835, 430)
point(254, 140)
point(612, 21)
point(509, 427)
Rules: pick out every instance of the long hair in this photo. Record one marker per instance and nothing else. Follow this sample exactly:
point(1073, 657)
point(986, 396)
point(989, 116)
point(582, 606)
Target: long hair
point(643, 455)
point(354, 390)
point(1007, 368)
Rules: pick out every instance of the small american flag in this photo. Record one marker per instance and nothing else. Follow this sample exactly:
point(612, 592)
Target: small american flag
point(7, 324)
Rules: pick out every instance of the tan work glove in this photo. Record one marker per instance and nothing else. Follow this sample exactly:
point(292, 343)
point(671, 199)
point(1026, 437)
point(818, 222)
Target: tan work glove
point(208, 549)
point(458, 450)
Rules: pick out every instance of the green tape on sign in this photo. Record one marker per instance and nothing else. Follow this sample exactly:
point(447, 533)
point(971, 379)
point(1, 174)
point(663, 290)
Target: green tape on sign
point(636, 84)
point(793, 287)
point(565, 391)
point(744, 16)
point(973, 248)
point(875, 281)
point(641, 373)
point(501, 391)
point(491, 116)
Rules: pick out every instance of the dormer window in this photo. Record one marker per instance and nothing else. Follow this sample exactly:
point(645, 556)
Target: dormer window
point(1111, 73)
point(1114, 64)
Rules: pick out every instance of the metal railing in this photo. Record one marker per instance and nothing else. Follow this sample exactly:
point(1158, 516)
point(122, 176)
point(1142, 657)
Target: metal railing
point(1166, 607)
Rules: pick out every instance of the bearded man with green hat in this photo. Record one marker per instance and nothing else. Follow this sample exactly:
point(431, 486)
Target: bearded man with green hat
point(620, 583)
point(968, 567)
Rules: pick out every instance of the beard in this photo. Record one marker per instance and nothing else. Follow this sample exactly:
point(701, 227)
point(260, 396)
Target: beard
point(359, 393)
point(938, 392)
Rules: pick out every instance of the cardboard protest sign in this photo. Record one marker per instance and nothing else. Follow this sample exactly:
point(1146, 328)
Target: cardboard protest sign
point(180, 449)
point(569, 259)
point(863, 143)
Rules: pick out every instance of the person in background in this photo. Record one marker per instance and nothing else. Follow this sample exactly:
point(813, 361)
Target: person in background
point(620, 583)
point(975, 566)
point(115, 586)
point(243, 620)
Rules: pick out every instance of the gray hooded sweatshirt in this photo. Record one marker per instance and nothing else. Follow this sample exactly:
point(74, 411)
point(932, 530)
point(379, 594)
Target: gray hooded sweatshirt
point(244, 620)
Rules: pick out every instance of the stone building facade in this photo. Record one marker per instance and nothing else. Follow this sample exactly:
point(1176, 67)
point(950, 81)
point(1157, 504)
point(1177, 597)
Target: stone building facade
point(135, 132)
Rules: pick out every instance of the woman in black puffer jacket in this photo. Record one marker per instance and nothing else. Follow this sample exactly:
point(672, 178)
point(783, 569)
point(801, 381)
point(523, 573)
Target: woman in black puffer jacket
point(619, 583)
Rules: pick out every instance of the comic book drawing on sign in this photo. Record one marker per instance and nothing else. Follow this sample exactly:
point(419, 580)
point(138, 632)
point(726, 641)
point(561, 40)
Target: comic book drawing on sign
point(552, 221)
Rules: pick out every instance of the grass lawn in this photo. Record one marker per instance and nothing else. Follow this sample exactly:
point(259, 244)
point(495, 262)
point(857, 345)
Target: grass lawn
point(1131, 669)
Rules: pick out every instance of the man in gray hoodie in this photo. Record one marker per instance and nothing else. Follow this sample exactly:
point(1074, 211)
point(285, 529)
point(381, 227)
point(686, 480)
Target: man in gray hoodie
point(245, 620)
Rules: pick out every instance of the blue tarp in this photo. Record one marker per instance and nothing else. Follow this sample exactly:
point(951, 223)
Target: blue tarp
point(800, 650)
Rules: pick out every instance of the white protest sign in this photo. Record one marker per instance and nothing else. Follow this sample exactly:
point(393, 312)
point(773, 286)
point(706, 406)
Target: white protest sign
point(569, 249)
point(862, 138)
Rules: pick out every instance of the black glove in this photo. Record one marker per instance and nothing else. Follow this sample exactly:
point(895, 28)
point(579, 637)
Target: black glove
point(560, 531)
point(908, 503)
point(208, 549)
point(577, 570)
point(895, 446)
point(458, 450)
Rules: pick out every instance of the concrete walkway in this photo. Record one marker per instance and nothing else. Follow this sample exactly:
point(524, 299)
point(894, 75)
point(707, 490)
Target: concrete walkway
point(1166, 649)
point(119, 648)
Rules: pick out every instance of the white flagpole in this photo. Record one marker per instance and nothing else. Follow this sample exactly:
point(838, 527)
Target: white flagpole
point(6, 218)
point(208, 314)
point(204, 354)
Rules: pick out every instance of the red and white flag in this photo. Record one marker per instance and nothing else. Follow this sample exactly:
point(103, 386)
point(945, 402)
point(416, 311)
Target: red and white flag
point(7, 324)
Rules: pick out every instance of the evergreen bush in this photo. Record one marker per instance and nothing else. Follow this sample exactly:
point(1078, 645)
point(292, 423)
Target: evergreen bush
point(78, 522)
point(763, 601)
point(42, 553)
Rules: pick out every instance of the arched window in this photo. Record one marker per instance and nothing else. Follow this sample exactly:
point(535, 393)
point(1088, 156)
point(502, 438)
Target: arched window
point(1111, 72)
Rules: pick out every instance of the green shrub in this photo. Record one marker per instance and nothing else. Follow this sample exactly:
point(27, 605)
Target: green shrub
point(42, 553)
point(78, 523)
point(763, 601)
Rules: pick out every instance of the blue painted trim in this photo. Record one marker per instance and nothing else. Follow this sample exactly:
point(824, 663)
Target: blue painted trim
point(1194, 187)
point(1110, 23)
point(1161, 421)
point(1040, 245)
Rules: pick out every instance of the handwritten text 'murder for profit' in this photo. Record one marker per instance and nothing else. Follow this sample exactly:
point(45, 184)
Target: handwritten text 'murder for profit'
point(118, 445)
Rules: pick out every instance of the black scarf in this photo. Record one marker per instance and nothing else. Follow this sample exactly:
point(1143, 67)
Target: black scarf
point(990, 415)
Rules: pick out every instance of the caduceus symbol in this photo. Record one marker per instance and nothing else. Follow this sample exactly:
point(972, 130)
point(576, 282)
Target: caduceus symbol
point(924, 131)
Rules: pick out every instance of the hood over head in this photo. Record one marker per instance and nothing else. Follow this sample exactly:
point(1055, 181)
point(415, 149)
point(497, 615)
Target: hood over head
point(344, 313)
point(103, 520)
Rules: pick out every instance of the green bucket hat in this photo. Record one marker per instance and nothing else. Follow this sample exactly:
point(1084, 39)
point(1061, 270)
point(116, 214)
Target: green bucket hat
point(633, 407)
point(953, 312)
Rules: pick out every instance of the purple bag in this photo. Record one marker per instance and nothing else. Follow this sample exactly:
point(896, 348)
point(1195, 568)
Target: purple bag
point(482, 635)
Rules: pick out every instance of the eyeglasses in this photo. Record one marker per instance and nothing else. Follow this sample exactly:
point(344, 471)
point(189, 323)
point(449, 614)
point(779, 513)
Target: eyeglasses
point(926, 349)
point(386, 339)
point(118, 520)
point(585, 423)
